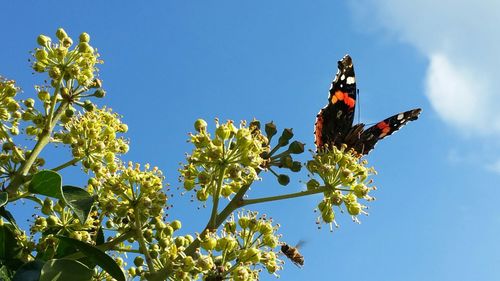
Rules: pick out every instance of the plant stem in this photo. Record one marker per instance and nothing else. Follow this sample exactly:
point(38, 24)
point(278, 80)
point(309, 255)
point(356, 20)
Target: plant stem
point(142, 241)
point(43, 140)
point(246, 202)
point(67, 164)
point(216, 195)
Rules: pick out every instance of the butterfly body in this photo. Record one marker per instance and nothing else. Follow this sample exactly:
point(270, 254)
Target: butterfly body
point(334, 123)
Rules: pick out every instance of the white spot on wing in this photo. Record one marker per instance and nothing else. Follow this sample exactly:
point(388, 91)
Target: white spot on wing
point(400, 116)
point(342, 77)
point(350, 80)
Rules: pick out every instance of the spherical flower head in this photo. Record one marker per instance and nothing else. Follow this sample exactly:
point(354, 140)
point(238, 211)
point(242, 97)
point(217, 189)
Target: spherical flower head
point(131, 189)
point(63, 63)
point(345, 180)
point(234, 153)
point(93, 137)
point(10, 109)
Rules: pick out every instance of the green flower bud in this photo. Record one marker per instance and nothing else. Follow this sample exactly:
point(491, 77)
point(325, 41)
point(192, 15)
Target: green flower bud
point(209, 243)
point(223, 132)
point(44, 96)
point(41, 55)
point(61, 34)
point(188, 264)
point(287, 161)
point(312, 184)
point(360, 190)
point(283, 179)
point(88, 105)
point(243, 222)
point(270, 241)
point(296, 166)
point(189, 184)
point(176, 224)
point(67, 42)
point(52, 220)
point(61, 52)
point(84, 37)
point(354, 208)
point(270, 130)
point(47, 207)
point(138, 261)
point(285, 137)
point(296, 147)
point(265, 227)
point(39, 66)
point(69, 112)
point(205, 262)
point(55, 72)
point(84, 47)
point(29, 103)
point(200, 125)
point(328, 216)
point(99, 93)
point(43, 40)
point(202, 194)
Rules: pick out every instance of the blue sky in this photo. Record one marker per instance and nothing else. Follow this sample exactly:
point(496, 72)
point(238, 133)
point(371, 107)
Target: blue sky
point(168, 63)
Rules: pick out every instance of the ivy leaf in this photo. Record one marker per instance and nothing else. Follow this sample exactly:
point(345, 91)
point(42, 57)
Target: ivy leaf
point(10, 252)
point(63, 270)
point(79, 201)
point(4, 198)
point(29, 271)
point(98, 257)
point(46, 183)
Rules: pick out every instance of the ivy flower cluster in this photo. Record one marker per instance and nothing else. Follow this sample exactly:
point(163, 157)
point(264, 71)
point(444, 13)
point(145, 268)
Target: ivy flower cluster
point(225, 162)
point(242, 250)
point(345, 180)
point(9, 109)
point(93, 139)
point(130, 194)
point(60, 61)
point(59, 219)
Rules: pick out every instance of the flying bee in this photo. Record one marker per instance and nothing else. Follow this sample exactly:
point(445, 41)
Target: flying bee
point(292, 253)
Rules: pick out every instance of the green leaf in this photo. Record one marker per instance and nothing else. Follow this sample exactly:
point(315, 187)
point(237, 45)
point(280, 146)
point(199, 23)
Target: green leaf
point(29, 271)
point(46, 183)
point(98, 257)
point(10, 252)
point(79, 201)
point(4, 198)
point(6, 214)
point(64, 270)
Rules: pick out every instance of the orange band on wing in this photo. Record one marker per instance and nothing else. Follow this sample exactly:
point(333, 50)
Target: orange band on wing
point(384, 127)
point(339, 95)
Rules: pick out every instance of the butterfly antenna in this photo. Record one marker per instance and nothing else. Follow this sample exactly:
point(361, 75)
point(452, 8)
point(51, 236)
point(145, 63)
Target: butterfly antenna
point(359, 105)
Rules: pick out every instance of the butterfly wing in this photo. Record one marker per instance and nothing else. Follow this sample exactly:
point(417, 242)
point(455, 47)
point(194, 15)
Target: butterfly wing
point(334, 121)
point(368, 138)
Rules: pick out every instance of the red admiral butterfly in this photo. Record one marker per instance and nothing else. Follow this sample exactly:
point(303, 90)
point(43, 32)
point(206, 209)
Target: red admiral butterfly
point(334, 122)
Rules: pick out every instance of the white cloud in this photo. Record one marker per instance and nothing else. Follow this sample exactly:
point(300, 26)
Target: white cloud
point(462, 42)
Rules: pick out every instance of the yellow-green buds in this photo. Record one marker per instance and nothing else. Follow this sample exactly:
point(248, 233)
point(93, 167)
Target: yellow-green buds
point(200, 125)
point(283, 179)
point(43, 40)
point(138, 261)
point(84, 37)
point(99, 93)
point(61, 34)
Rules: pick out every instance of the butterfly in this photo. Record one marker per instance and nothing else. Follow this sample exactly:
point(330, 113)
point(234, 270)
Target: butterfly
point(334, 122)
